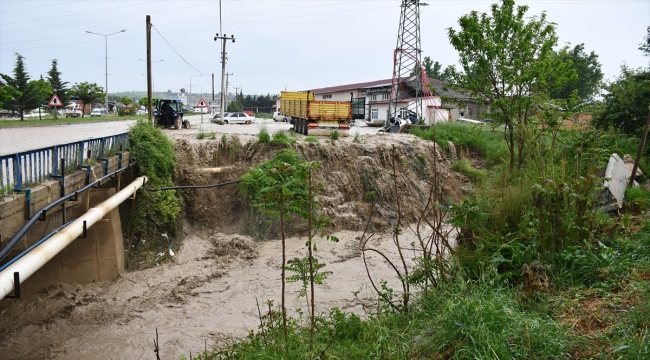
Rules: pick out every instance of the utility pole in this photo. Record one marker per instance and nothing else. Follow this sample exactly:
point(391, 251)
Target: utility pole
point(227, 88)
point(149, 82)
point(223, 39)
point(212, 86)
point(236, 94)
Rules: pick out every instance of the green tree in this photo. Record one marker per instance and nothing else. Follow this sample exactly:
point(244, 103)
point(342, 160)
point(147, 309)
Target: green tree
point(589, 74)
point(626, 101)
point(41, 91)
point(20, 82)
point(507, 60)
point(58, 86)
point(433, 70)
point(87, 93)
point(143, 101)
point(126, 101)
point(234, 106)
point(7, 94)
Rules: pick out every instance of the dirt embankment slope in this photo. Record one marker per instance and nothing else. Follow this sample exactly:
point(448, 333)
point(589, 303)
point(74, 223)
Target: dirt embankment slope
point(349, 170)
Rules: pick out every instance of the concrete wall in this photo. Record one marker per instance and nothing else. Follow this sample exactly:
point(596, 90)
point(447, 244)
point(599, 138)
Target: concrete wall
point(98, 257)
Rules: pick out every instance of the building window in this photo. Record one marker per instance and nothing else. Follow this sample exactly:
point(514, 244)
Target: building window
point(373, 97)
point(385, 96)
point(374, 114)
point(327, 96)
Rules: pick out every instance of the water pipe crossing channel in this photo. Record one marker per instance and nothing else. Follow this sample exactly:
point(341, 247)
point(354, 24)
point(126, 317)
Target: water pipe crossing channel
point(17, 270)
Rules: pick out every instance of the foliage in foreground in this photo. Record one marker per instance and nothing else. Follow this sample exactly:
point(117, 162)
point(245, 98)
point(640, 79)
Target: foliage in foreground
point(153, 222)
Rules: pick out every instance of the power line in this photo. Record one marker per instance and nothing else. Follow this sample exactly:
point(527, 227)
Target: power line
point(179, 55)
point(177, 22)
point(35, 7)
point(81, 13)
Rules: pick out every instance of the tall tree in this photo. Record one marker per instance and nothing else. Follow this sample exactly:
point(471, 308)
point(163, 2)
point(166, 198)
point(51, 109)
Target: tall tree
point(87, 93)
point(433, 70)
point(126, 101)
point(20, 82)
point(7, 94)
point(59, 87)
point(41, 90)
point(625, 103)
point(589, 74)
point(506, 59)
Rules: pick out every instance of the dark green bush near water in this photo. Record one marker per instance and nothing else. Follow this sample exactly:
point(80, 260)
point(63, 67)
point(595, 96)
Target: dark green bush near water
point(154, 220)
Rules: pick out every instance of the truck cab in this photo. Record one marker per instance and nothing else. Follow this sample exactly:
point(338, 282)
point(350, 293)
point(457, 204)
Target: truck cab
point(169, 113)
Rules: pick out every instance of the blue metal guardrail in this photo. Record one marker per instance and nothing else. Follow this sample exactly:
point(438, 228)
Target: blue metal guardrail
point(19, 171)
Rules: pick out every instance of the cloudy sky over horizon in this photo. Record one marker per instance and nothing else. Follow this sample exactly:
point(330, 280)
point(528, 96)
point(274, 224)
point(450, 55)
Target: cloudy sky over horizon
point(292, 44)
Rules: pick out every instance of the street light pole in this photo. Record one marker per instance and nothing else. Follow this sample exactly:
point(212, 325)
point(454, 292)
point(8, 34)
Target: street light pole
point(189, 99)
point(106, 61)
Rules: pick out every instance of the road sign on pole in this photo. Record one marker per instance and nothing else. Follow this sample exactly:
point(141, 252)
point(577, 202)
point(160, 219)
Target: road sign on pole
point(202, 104)
point(55, 101)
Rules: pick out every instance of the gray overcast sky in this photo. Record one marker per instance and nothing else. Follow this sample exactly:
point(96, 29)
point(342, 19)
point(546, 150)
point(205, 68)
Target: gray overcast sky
point(292, 44)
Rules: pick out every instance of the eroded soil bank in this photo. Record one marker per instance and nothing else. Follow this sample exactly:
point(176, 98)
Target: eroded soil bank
point(211, 287)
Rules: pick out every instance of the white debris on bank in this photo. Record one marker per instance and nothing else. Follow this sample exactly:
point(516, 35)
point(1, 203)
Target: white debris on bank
point(617, 176)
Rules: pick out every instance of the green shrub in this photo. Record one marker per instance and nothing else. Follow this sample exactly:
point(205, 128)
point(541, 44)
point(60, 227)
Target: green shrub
point(281, 137)
point(311, 139)
point(201, 135)
point(153, 225)
point(263, 136)
point(334, 135)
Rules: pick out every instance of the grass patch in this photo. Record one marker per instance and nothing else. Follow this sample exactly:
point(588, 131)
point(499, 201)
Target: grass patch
point(334, 135)
point(311, 139)
point(263, 136)
point(477, 138)
point(466, 168)
point(201, 135)
point(281, 137)
point(51, 121)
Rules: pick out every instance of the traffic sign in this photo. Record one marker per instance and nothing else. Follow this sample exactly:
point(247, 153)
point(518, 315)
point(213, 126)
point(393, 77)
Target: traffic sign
point(201, 104)
point(55, 101)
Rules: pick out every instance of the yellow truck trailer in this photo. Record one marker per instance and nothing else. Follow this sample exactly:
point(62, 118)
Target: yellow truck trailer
point(311, 117)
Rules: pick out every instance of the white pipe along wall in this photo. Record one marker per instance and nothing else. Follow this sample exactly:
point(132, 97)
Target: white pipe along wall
point(39, 256)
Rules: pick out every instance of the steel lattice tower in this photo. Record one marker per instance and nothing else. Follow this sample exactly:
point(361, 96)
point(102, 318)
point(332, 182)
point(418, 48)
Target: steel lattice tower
point(406, 58)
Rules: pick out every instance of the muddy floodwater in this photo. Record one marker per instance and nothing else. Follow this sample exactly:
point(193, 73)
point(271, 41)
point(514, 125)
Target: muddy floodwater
point(209, 290)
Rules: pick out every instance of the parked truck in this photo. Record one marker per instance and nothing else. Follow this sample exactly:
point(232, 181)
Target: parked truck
point(311, 117)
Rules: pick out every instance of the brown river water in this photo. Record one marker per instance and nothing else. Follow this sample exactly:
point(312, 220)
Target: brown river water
point(208, 291)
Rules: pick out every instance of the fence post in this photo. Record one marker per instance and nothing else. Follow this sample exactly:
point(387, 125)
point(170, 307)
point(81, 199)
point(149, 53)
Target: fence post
point(81, 153)
point(18, 179)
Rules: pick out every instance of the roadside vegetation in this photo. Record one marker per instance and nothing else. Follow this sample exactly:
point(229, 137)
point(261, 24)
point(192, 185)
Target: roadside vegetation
point(49, 120)
point(537, 270)
point(153, 221)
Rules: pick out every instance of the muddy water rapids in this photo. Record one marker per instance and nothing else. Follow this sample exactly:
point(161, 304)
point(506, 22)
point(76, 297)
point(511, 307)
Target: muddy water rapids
point(208, 291)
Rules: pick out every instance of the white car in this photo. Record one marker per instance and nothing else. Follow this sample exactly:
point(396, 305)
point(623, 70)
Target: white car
point(277, 116)
point(237, 118)
point(98, 112)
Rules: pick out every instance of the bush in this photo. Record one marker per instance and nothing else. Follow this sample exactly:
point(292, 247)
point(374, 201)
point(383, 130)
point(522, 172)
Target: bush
point(281, 137)
point(263, 136)
point(154, 213)
point(334, 135)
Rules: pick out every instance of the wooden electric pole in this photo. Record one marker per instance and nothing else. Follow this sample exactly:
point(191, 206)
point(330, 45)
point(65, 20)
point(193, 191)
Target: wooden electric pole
point(640, 152)
point(149, 83)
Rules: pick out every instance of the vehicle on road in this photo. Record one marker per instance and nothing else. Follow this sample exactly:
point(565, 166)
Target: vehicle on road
point(311, 117)
point(235, 118)
point(169, 113)
point(73, 110)
point(98, 112)
point(277, 116)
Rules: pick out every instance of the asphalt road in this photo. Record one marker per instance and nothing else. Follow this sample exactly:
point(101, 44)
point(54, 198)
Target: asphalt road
point(20, 139)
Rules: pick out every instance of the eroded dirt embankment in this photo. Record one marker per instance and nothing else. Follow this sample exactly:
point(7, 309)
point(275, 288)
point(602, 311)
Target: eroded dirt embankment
point(211, 287)
point(349, 170)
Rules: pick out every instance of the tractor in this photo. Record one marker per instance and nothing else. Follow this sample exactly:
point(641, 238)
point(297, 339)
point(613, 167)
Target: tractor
point(169, 113)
